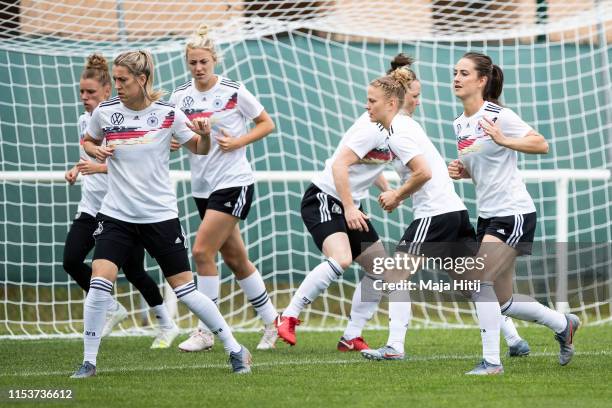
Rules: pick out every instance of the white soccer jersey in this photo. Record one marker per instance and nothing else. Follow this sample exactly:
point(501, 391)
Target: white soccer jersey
point(139, 186)
point(500, 190)
point(93, 188)
point(230, 106)
point(437, 196)
point(369, 141)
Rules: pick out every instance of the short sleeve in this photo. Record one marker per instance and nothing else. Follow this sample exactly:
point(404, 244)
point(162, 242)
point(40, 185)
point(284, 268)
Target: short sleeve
point(511, 125)
point(363, 140)
point(182, 133)
point(248, 105)
point(173, 98)
point(403, 144)
point(94, 128)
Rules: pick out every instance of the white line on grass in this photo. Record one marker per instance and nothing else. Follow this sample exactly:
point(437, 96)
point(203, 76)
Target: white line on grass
point(272, 364)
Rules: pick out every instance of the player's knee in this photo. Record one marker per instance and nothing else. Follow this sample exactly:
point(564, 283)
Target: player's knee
point(203, 254)
point(344, 260)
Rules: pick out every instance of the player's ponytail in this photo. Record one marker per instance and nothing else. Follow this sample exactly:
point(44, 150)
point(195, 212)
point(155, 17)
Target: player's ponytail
point(96, 68)
point(401, 60)
point(494, 74)
point(140, 63)
point(201, 40)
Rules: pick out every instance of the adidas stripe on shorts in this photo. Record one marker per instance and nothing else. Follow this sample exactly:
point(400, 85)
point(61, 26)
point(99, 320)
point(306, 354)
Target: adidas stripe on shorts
point(234, 201)
point(323, 215)
point(516, 230)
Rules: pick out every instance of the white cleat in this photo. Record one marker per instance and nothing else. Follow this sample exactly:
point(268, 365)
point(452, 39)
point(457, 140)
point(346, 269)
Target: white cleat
point(113, 319)
point(165, 337)
point(268, 340)
point(200, 340)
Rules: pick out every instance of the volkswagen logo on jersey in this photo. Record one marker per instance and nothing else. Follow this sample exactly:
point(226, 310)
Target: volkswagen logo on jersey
point(116, 118)
point(217, 103)
point(152, 120)
point(187, 102)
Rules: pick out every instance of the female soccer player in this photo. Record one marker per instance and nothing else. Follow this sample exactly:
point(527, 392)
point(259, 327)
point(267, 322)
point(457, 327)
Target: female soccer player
point(488, 137)
point(437, 191)
point(222, 182)
point(95, 87)
point(331, 208)
point(140, 206)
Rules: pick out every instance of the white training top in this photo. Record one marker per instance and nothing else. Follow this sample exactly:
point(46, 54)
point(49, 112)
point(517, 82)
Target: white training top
point(231, 107)
point(500, 190)
point(369, 141)
point(139, 186)
point(437, 196)
point(93, 187)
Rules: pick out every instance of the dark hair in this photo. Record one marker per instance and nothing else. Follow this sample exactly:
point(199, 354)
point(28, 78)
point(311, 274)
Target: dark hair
point(495, 75)
point(96, 68)
point(399, 61)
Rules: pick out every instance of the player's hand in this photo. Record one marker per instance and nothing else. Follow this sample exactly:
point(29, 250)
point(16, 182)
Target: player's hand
point(102, 152)
point(201, 126)
point(227, 143)
point(88, 167)
point(72, 175)
point(457, 171)
point(355, 219)
point(493, 131)
point(174, 145)
point(389, 200)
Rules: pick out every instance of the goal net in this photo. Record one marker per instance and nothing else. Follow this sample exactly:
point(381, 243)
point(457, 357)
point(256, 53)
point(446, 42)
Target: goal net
point(308, 62)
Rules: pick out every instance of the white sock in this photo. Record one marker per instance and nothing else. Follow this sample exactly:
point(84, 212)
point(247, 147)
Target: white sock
point(112, 305)
point(162, 316)
point(489, 320)
point(208, 286)
point(94, 316)
point(255, 290)
point(509, 331)
point(313, 285)
point(400, 313)
point(361, 311)
point(207, 312)
point(524, 307)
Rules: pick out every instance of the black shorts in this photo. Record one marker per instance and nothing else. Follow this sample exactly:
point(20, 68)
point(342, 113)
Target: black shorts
point(165, 241)
point(516, 230)
point(323, 215)
point(445, 235)
point(234, 201)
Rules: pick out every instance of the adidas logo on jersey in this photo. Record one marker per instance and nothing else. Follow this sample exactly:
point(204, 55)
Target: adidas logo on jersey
point(336, 209)
point(228, 204)
point(501, 231)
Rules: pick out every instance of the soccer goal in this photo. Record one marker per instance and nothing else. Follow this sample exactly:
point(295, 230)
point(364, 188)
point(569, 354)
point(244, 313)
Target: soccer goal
point(309, 62)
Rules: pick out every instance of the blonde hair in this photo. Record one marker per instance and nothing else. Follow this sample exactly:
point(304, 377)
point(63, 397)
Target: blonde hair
point(395, 84)
point(96, 68)
point(140, 63)
point(200, 40)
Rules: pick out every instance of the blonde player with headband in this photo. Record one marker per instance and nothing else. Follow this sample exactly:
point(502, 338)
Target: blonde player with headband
point(222, 182)
point(140, 206)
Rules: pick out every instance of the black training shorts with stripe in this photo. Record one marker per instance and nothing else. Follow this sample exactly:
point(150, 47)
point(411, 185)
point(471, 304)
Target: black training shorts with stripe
point(234, 201)
point(323, 215)
point(446, 235)
point(516, 230)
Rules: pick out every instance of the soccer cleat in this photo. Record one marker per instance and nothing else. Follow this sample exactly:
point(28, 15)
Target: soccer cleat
point(356, 344)
point(486, 368)
point(199, 340)
point(85, 370)
point(113, 319)
point(269, 337)
point(383, 353)
point(285, 327)
point(165, 337)
point(520, 349)
point(566, 339)
point(241, 361)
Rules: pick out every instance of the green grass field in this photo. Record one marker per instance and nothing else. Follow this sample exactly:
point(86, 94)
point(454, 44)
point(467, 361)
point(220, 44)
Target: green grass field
point(314, 374)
